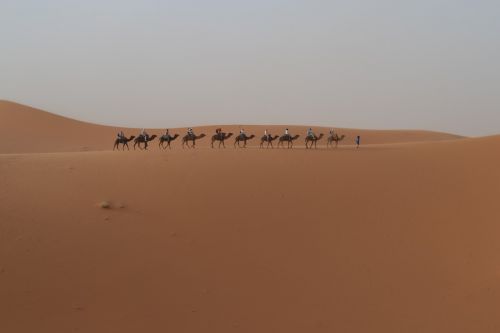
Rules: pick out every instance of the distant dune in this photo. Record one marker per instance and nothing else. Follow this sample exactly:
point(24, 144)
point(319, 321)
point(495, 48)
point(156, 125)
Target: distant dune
point(30, 130)
point(389, 238)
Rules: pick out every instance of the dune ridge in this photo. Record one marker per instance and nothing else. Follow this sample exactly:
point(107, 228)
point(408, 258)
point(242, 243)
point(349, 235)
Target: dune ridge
point(393, 237)
point(30, 130)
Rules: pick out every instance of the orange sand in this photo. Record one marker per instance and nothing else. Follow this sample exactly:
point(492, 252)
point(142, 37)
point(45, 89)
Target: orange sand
point(388, 238)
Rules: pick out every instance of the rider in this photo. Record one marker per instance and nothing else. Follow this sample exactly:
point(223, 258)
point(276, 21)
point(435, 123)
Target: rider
point(242, 133)
point(266, 135)
point(310, 133)
point(286, 132)
point(144, 134)
point(121, 135)
point(331, 131)
point(167, 133)
point(218, 131)
point(190, 131)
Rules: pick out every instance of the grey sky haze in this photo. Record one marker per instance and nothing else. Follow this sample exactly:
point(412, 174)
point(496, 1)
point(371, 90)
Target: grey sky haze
point(428, 64)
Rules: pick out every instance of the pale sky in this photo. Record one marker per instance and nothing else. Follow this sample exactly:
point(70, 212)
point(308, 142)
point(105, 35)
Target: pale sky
point(426, 64)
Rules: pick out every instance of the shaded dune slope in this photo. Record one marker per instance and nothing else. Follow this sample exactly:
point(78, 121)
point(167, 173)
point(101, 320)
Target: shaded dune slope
point(27, 130)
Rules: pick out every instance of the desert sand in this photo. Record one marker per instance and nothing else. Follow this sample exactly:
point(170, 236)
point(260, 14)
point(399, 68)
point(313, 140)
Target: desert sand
point(401, 235)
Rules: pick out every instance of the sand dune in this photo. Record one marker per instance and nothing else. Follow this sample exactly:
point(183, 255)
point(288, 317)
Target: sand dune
point(388, 238)
point(29, 130)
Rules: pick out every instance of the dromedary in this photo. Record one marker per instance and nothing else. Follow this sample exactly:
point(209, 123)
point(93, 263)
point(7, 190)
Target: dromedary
point(141, 139)
point(186, 138)
point(124, 142)
point(221, 137)
point(242, 138)
point(313, 141)
point(334, 138)
point(168, 139)
point(288, 139)
point(269, 139)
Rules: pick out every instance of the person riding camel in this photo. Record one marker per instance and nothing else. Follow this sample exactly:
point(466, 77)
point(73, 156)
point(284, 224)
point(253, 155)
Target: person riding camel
point(190, 132)
point(267, 135)
point(167, 133)
point(121, 135)
point(145, 135)
point(332, 131)
point(242, 133)
point(218, 132)
point(287, 134)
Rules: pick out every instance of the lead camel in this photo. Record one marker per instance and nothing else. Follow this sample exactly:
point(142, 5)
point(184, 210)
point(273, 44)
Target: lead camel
point(334, 138)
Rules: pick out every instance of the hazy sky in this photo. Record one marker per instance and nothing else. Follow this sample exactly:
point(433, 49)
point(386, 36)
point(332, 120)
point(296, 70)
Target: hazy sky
point(430, 64)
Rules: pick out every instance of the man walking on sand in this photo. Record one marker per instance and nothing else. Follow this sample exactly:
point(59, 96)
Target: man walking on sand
point(358, 141)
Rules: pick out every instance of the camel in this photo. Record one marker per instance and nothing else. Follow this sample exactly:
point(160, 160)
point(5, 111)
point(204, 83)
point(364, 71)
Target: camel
point(221, 137)
point(244, 138)
point(124, 142)
point(332, 138)
point(168, 139)
point(186, 138)
point(141, 139)
point(288, 138)
point(269, 139)
point(313, 141)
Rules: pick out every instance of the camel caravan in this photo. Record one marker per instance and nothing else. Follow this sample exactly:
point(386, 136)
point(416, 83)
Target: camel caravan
point(240, 141)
